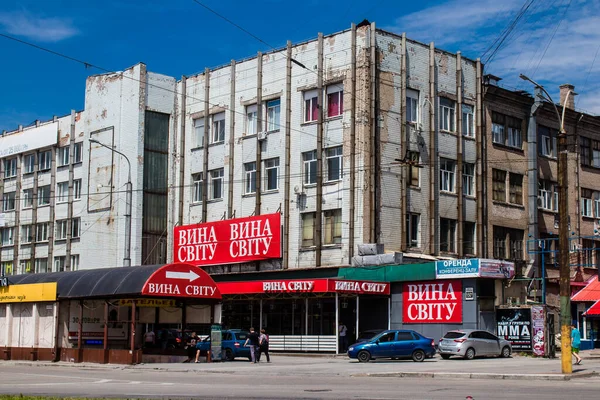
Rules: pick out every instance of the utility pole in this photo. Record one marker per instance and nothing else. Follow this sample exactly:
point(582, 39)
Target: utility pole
point(563, 237)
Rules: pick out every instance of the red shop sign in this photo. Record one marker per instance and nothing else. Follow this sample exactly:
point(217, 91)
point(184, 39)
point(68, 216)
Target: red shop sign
point(181, 280)
point(231, 241)
point(435, 302)
point(360, 287)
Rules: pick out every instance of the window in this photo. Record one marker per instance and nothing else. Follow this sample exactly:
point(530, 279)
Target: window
point(199, 132)
point(547, 198)
point(414, 174)
point(62, 227)
point(77, 152)
point(62, 156)
point(412, 106)
point(311, 108)
point(515, 243)
point(447, 117)
point(74, 262)
point(6, 268)
point(506, 130)
point(77, 189)
point(272, 174)
point(332, 232)
point(8, 201)
point(216, 183)
point(250, 177)
point(7, 236)
point(597, 207)
point(25, 267)
point(413, 230)
point(499, 185)
point(251, 120)
point(10, 168)
point(44, 160)
point(499, 243)
point(335, 100)
point(547, 140)
point(387, 337)
point(469, 238)
point(308, 229)
point(273, 115)
point(27, 198)
point(468, 122)
point(515, 188)
point(447, 235)
point(333, 164)
point(41, 265)
point(76, 228)
point(498, 133)
point(586, 202)
point(589, 152)
point(62, 192)
point(218, 125)
point(43, 194)
point(29, 163)
point(447, 168)
point(469, 179)
point(515, 139)
point(596, 154)
point(309, 160)
point(197, 185)
point(26, 234)
point(60, 263)
point(41, 232)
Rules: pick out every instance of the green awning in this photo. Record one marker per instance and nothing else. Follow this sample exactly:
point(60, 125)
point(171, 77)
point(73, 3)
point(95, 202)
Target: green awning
point(390, 273)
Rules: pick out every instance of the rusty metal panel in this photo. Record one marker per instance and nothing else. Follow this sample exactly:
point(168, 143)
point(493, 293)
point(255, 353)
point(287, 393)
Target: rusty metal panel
point(101, 171)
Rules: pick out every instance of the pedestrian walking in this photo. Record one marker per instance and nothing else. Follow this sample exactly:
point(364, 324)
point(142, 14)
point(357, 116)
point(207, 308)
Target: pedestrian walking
point(253, 340)
point(149, 339)
point(263, 345)
point(575, 343)
point(191, 347)
point(342, 331)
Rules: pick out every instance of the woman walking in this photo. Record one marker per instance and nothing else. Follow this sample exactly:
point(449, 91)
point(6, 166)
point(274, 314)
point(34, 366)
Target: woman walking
point(263, 346)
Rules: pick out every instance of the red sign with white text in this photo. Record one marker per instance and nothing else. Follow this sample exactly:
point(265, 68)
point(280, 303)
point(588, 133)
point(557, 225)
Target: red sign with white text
point(304, 286)
point(181, 280)
point(230, 241)
point(435, 302)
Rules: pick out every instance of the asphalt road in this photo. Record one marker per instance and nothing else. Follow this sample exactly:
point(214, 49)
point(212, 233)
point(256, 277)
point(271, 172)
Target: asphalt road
point(249, 383)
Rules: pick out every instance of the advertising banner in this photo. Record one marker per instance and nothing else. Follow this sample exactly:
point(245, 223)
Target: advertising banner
point(432, 302)
point(27, 293)
point(230, 241)
point(452, 269)
point(538, 321)
point(304, 286)
point(496, 269)
point(93, 321)
point(181, 280)
point(514, 325)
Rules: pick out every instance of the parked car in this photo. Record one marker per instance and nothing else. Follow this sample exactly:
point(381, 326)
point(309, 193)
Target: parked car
point(470, 343)
point(394, 344)
point(232, 344)
point(368, 334)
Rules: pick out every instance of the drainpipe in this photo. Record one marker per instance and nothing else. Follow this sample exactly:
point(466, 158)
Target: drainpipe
point(183, 118)
point(459, 154)
point(259, 128)
point(433, 156)
point(288, 156)
point(481, 146)
point(231, 141)
point(206, 142)
point(352, 193)
point(319, 198)
point(403, 149)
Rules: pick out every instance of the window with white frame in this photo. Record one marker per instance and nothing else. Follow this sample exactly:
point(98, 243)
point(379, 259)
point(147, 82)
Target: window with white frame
point(308, 229)
point(515, 188)
point(74, 262)
point(468, 179)
point(78, 152)
point(60, 263)
point(447, 115)
point(547, 140)
point(27, 198)
point(413, 230)
point(251, 119)
point(29, 163)
point(597, 205)
point(43, 195)
point(499, 185)
point(332, 229)
point(6, 268)
point(507, 131)
point(8, 201)
point(41, 232)
point(414, 174)
point(586, 202)
point(468, 121)
point(10, 167)
point(76, 189)
point(41, 266)
point(311, 107)
point(26, 234)
point(61, 229)
point(75, 228)
point(44, 160)
point(62, 190)
point(273, 115)
point(448, 235)
point(468, 238)
point(309, 160)
point(197, 185)
point(250, 177)
point(271, 174)
point(7, 236)
point(545, 195)
point(498, 131)
point(216, 183)
point(218, 128)
point(333, 163)
point(62, 156)
point(25, 266)
point(447, 175)
point(412, 106)
point(199, 132)
point(335, 100)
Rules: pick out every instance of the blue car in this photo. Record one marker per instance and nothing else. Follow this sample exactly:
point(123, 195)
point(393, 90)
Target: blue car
point(232, 344)
point(394, 344)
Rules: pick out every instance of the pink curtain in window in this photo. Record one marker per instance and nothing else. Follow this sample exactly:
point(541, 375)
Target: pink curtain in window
point(335, 106)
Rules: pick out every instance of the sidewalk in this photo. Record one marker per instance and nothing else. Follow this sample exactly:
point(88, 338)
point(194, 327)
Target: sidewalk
point(516, 367)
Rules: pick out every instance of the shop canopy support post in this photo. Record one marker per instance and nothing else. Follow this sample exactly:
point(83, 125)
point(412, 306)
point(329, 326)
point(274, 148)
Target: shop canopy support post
point(260, 305)
point(357, 319)
point(133, 310)
point(337, 321)
point(105, 341)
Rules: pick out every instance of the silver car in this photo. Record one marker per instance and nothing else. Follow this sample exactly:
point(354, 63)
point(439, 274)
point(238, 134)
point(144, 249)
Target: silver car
point(470, 343)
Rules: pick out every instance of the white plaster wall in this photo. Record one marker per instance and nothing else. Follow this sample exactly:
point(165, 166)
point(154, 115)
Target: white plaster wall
point(46, 325)
point(3, 325)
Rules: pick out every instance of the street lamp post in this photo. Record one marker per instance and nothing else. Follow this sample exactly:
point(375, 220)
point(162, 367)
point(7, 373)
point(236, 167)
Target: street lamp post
point(128, 197)
point(563, 239)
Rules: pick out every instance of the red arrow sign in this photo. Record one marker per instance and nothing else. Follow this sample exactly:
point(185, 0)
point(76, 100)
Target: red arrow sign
point(181, 280)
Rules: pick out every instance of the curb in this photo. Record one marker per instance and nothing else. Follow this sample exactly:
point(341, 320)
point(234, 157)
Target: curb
point(463, 375)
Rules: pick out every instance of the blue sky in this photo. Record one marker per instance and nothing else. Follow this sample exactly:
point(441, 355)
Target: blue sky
point(179, 37)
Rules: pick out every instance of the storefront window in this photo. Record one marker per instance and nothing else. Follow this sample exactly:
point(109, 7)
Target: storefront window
point(241, 314)
point(321, 316)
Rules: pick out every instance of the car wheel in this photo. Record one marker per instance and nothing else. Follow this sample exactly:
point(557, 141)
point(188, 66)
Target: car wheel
point(363, 356)
point(445, 356)
point(470, 354)
point(229, 356)
point(418, 356)
point(505, 352)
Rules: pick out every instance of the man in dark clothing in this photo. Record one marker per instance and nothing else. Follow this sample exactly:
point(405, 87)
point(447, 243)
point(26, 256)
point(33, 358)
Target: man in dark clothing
point(253, 340)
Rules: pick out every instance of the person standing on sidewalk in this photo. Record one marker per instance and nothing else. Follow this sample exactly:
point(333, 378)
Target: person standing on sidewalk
point(253, 341)
point(575, 343)
point(263, 346)
point(342, 331)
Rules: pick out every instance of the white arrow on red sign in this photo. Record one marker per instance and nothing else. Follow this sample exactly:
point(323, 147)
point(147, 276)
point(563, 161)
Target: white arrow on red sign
point(192, 276)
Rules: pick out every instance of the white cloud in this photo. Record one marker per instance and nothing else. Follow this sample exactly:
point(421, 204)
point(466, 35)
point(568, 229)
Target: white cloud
point(22, 23)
